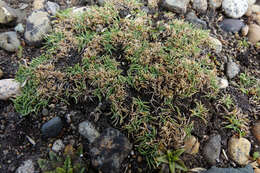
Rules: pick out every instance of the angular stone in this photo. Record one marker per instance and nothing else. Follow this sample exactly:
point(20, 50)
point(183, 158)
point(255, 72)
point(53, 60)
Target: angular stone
point(215, 3)
point(176, 6)
point(200, 5)
point(19, 28)
point(9, 41)
point(9, 88)
point(247, 169)
point(191, 145)
point(232, 70)
point(37, 29)
point(52, 128)
point(231, 25)
point(192, 18)
point(109, 150)
point(58, 146)
point(211, 150)
point(254, 33)
point(235, 8)
point(245, 30)
point(87, 130)
point(238, 150)
point(7, 14)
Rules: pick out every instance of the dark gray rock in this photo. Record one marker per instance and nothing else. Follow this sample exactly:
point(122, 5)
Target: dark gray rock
point(200, 5)
point(247, 169)
point(109, 150)
point(52, 128)
point(211, 150)
point(231, 25)
point(192, 18)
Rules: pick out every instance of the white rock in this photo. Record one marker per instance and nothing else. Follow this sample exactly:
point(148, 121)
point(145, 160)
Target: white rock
point(79, 11)
point(27, 167)
point(52, 8)
point(251, 2)
point(222, 83)
point(215, 3)
point(235, 8)
point(87, 130)
point(215, 44)
point(58, 146)
point(256, 8)
point(177, 6)
point(37, 29)
point(19, 28)
point(38, 4)
point(9, 88)
point(239, 149)
point(7, 14)
point(232, 69)
point(9, 41)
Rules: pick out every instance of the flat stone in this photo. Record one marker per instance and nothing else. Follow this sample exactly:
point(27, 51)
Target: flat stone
point(211, 150)
point(200, 5)
point(215, 3)
point(87, 130)
point(37, 29)
point(247, 169)
point(9, 88)
point(198, 23)
point(215, 44)
point(231, 25)
point(52, 128)
point(109, 150)
point(191, 145)
point(7, 14)
point(26, 167)
point(232, 69)
point(256, 131)
point(9, 41)
point(254, 33)
point(176, 6)
point(235, 8)
point(52, 7)
point(58, 146)
point(239, 149)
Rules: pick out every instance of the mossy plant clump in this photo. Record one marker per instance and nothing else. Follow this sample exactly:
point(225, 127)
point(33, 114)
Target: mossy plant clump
point(141, 65)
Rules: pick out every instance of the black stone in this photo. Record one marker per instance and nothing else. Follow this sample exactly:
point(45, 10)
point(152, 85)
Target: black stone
point(52, 128)
point(109, 150)
point(231, 25)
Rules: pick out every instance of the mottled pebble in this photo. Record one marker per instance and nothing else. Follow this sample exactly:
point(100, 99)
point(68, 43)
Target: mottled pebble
point(9, 88)
point(26, 167)
point(235, 8)
point(232, 69)
point(176, 6)
point(9, 41)
point(87, 130)
point(58, 146)
point(212, 148)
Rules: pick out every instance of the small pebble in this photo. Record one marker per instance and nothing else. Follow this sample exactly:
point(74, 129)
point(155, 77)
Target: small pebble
point(245, 30)
point(58, 146)
point(256, 131)
point(52, 128)
point(235, 8)
point(232, 70)
point(19, 28)
point(26, 167)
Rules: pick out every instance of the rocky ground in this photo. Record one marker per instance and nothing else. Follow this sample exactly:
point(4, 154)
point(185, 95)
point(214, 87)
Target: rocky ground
point(65, 135)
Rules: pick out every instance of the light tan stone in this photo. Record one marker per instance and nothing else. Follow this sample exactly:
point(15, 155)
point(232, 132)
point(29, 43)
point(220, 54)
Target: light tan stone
point(254, 33)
